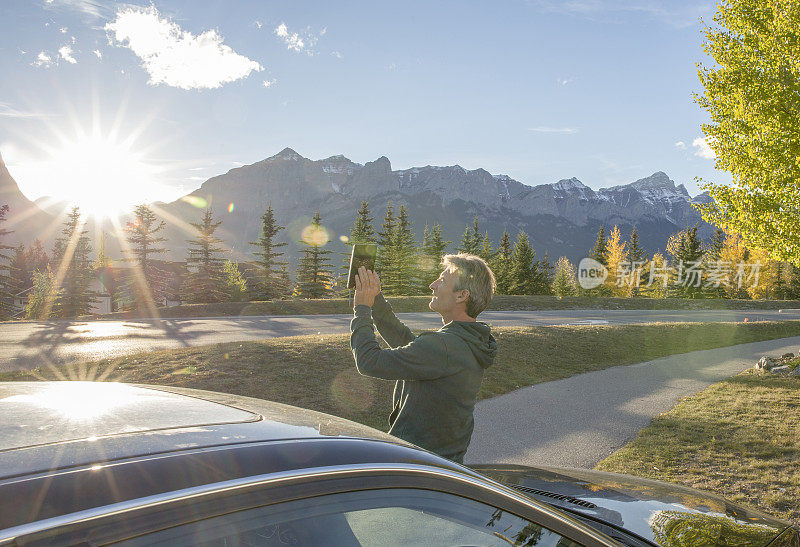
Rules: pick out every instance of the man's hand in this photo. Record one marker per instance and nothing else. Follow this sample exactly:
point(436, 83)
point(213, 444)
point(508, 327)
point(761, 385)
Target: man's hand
point(368, 286)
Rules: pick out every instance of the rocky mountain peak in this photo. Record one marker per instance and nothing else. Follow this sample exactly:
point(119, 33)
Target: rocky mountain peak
point(287, 154)
point(567, 185)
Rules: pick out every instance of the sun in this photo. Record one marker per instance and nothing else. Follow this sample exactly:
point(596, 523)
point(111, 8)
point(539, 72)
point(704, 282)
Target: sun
point(99, 175)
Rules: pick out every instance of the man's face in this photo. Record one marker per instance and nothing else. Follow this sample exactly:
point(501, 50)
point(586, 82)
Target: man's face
point(444, 297)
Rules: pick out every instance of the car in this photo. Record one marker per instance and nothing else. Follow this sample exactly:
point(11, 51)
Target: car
point(112, 463)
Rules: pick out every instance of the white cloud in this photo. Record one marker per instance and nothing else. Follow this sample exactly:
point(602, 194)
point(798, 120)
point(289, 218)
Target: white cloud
point(680, 145)
point(545, 129)
point(89, 7)
point(43, 59)
point(98, 54)
point(66, 53)
point(295, 41)
point(336, 54)
point(703, 149)
point(269, 83)
point(176, 57)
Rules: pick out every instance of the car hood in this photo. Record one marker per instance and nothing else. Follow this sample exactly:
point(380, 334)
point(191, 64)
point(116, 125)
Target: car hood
point(658, 512)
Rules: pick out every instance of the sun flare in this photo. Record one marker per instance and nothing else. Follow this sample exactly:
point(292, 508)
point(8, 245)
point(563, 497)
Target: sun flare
point(102, 177)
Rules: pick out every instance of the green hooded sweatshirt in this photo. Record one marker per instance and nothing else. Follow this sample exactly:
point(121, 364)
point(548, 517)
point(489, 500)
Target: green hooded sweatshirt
point(438, 375)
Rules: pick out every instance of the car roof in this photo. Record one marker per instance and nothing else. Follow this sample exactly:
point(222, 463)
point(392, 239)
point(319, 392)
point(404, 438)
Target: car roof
point(51, 425)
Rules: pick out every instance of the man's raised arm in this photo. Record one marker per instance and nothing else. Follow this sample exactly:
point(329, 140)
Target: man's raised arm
point(389, 326)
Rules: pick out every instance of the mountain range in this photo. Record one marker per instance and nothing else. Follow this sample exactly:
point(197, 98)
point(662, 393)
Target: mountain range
point(561, 218)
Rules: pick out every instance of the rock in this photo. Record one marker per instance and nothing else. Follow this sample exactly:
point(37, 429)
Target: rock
point(765, 363)
point(784, 369)
point(787, 355)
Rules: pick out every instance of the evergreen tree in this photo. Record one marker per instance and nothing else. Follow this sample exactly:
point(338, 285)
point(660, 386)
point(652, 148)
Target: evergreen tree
point(636, 257)
point(385, 241)
point(433, 248)
point(72, 256)
point(472, 240)
point(268, 283)
point(486, 251)
point(599, 252)
point(361, 232)
point(204, 281)
point(6, 293)
point(23, 263)
point(405, 268)
point(502, 264)
point(147, 286)
point(314, 277)
point(543, 276)
point(636, 252)
point(564, 280)
point(233, 284)
point(711, 261)
point(386, 260)
point(523, 272)
point(45, 296)
point(687, 254)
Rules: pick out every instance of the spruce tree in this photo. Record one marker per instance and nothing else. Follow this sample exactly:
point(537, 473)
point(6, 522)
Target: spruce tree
point(314, 277)
point(711, 261)
point(204, 281)
point(486, 252)
point(687, 252)
point(72, 256)
point(405, 268)
point(543, 276)
point(502, 263)
point(433, 247)
point(564, 282)
point(147, 286)
point(6, 293)
point(471, 240)
point(386, 260)
point(269, 283)
point(523, 272)
point(635, 254)
point(361, 232)
point(600, 252)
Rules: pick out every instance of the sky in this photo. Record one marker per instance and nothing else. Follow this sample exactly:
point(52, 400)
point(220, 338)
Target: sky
point(150, 99)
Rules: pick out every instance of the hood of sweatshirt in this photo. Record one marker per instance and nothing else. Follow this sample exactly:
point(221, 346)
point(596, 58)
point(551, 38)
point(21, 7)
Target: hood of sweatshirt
point(478, 337)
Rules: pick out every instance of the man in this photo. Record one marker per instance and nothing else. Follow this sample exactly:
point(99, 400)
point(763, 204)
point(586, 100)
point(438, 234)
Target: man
point(438, 374)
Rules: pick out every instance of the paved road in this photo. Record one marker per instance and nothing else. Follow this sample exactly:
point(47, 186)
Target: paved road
point(28, 345)
point(578, 421)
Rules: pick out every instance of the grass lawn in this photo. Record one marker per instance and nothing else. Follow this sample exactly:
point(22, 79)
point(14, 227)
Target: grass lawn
point(317, 372)
point(737, 438)
point(420, 304)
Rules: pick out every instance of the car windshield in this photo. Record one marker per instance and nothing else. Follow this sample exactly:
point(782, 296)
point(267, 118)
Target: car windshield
point(530, 234)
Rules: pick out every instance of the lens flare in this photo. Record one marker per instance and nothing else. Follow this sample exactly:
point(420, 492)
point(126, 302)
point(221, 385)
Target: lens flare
point(315, 235)
point(195, 201)
point(231, 207)
point(344, 239)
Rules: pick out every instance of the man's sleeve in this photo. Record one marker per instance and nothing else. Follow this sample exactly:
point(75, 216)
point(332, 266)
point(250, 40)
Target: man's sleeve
point(389, 326)
point(425, 358)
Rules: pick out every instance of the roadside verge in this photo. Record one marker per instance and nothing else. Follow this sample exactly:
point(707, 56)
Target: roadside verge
point(737, 438)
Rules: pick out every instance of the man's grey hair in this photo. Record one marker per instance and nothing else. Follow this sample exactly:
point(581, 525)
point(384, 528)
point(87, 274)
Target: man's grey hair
point(474, 275)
